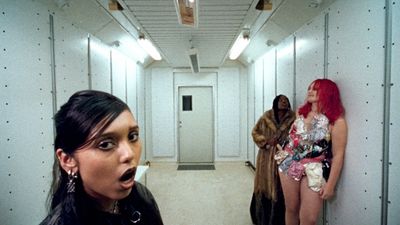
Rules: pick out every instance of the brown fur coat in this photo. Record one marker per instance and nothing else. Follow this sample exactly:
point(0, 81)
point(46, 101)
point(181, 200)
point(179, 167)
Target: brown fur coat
point(264, 131)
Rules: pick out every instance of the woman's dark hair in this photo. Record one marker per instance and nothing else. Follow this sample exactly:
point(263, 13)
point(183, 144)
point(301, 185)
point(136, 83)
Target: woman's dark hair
point(275, 106)
point(78, 122)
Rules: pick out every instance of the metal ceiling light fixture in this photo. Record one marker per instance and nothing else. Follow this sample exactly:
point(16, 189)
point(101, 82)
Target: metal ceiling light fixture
point(193, 58)
point(264, 5)
point(240, 44)
point(187, 12)
point(149, 47)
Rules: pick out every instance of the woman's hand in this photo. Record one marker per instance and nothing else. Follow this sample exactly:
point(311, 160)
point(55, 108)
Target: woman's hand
point(327, 192)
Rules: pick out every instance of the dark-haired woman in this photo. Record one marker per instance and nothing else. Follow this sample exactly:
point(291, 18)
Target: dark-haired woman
point(267, 206)
point(317, 141)
point(98, 149)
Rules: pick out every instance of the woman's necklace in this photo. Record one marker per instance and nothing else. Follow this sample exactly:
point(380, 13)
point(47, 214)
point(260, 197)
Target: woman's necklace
point(115, 209)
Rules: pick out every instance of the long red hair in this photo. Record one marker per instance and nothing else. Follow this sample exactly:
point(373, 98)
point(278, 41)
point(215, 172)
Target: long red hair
point(329, 102)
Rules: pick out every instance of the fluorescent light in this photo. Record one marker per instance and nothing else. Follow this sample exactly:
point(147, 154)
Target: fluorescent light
point(149, 48)
point(130, 47)
point(240, 44)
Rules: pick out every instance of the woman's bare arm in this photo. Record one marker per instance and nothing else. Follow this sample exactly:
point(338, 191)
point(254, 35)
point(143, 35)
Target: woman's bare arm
point(339, 141)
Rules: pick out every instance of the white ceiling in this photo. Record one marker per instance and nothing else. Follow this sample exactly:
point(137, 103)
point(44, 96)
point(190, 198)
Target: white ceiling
point(219, 24)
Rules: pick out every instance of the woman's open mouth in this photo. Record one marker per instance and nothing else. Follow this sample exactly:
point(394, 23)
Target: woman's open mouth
point(130, 173)
point(127, 179)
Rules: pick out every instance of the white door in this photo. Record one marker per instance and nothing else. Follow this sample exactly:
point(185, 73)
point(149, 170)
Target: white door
point(196, 125)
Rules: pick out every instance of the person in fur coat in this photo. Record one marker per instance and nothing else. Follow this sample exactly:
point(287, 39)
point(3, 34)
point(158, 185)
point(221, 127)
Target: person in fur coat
point(267, 204)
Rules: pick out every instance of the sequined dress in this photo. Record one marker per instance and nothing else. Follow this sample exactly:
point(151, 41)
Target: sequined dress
point(308, 146)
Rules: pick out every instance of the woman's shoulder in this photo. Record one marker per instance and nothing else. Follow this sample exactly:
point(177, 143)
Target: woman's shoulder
point(143, 199)
point(339, 127)
point(340, 122)
point(140, 188)
point(268, 114)
point(141, 191)
point(266, 117)
point(292, 114)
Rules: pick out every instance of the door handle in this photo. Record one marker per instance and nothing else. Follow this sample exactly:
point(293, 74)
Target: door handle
point(180, 123)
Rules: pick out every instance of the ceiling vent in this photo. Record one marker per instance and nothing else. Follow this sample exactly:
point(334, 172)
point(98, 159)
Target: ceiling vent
point(194, 60)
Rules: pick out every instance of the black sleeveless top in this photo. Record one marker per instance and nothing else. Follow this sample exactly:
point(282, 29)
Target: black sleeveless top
point(139, 208)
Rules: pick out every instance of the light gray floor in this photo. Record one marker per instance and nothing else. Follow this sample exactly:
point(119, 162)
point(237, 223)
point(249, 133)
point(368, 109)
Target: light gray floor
point(212, 197)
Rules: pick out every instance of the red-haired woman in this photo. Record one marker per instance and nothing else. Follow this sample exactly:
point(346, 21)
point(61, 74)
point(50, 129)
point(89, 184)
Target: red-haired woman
point(314, 151)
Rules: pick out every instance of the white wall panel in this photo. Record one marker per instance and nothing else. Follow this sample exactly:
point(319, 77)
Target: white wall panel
point(285, 68)
point(71, 59)
point(356, 53)
point(252, 150)
point(118, 73)
point(26, 133)
point(100, 65)
point(162, 113)
point(147, 103)
point(140, 111)
point(259, 87)
point(269, 79)
point(309, 56)
point(258, 92)
point(131, 86)
point(243, 114)
point(394, 153)
point(228, 113)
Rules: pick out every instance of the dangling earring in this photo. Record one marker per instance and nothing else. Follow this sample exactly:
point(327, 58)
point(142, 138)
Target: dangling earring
point(72, 176)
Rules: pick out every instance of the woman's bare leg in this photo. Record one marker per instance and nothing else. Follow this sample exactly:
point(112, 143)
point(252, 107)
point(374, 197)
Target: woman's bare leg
point(291, 192)
point(310, 205)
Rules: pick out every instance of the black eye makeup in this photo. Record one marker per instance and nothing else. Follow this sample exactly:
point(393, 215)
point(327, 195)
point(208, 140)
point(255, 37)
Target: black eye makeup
point(110, 140)
point(133, 135)
point(106, 144)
